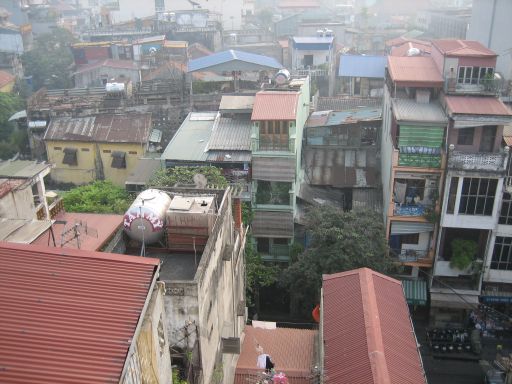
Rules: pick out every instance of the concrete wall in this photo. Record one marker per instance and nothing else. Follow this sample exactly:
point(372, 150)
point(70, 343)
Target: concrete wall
point(208, 303)
point(319, 57)
point(18, 204)
point(475, 147)
point(386, 154)
point(94, 77)
point(490, 25)
point(118, 176)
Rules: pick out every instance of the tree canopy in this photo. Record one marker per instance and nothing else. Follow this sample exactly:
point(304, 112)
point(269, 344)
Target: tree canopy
point(50, 62)
point(185, 175)
point(341, 241)
point(97, 197)
point(11, 139)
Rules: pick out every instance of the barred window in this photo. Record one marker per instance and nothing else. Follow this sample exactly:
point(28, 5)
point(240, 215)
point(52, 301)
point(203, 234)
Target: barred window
point(506, 209)
point(502, 254)
point(118, 159)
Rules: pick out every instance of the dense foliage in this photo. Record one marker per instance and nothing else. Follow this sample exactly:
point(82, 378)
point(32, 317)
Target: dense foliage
point(97, 197)
point(50, 62)
point(185, 175)
point(341, 241)
point(258, 274)
point(12, 140)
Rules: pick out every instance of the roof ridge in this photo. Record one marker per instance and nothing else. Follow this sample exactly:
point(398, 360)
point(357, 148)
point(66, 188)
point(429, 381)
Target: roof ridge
point(373, 328)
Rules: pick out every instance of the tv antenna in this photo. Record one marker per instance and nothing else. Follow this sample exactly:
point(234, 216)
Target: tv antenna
point(75, 231)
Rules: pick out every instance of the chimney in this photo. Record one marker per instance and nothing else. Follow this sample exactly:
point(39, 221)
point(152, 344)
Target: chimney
point(237, 213)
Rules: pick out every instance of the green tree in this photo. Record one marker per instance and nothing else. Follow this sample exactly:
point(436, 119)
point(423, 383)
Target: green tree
point(341, 241)
point(185, 175)
point(97, 197)
point(50, 62)
point(11, 139)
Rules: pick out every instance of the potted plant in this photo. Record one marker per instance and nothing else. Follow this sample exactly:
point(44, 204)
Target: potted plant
point(463, 253)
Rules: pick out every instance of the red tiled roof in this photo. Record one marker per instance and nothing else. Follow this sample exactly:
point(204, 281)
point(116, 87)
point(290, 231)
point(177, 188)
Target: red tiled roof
point(280, 105)
point(473, 105)
point(403, 49)
point(101, 228)
point(451, 47)
point(68, 316)
point(414, 69)
point(292, 350)
point(5, 78)
point(368, 335)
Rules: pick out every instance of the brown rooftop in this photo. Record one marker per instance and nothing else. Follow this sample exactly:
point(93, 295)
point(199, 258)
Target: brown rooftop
point(414, 70)
point(275, 105)
point(452, 47)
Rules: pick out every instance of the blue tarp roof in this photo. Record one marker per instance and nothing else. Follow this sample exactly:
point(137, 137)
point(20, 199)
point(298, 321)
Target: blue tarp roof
point(362, 66)
point(208, 63)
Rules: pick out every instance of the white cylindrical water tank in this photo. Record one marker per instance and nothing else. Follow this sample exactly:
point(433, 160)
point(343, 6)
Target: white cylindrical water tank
point(145, 219)
point(282, 77)
point(115, 87)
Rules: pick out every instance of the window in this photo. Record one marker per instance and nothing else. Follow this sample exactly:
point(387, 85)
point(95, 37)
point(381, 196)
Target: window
point(506, 209)
point(85, 149)
point(477, 197)
point(118, 159)
point(474, 75)
point(263, 245)
point(502, 254)
point(274, 136)
point(70, 156)
point(58, 148)
point(412, 238)
point(452, 195)
point(132, 152)
point(465, 136)
point(107, 151)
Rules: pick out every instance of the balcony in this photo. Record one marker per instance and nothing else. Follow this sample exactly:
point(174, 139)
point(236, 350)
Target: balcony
point(420, 157)
point(478, 87)
point(411, 210)
point(410, 255)
point(273, 145)
point(486, 162)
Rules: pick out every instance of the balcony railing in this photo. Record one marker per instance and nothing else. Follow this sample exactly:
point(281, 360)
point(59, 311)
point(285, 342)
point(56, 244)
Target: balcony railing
point(482, 86)
point(409, 255)
point(411, 210)
point(494, 162)
point(280, 145)
point(421, 157)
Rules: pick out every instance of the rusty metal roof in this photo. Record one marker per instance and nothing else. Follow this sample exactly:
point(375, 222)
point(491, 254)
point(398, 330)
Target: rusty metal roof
point(453, 47)
point(474, 105)
point(68, 316)
point(22, 169)
point(231, 134)
point(8, 185)
point(337, 103)
point(368, 334)
point(408, 71)
point(292, 350)
point(275, 105)
point(125, 128)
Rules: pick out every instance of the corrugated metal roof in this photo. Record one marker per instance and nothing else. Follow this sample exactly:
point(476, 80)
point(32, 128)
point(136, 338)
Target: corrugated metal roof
point(231, 134)
point(22, 231)
point(368, 334)
point(22, 169)
point(313, 39)
point(96, 230)
point(231, 56)
point(344, 103)
point(403, 50)
point(229, 156)
point(474, 105)
point(143, 171)
point(236, 103)
point(190, 142)
point(8, 185)
point(292, 350)
point(410, 110)
point(414, 69)
point(354, 115)
point(279, 105)
point(126, 128)
point(415, 291)
point(273, 168)
point(452, 47)
point(362, 66)
point(68, 316)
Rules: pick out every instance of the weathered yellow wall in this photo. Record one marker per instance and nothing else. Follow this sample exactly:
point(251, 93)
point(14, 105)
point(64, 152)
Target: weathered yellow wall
point(115, 175)
point(83, 173)
point(87, 169)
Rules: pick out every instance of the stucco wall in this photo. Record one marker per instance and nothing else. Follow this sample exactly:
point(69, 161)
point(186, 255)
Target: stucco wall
point(18, 204)
point(82, 173)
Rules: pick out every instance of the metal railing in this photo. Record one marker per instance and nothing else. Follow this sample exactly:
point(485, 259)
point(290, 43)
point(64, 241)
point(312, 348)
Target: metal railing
point(279, 144)
point(478, 161)
point(408, 255)
point(477, 86)
point(411, 209)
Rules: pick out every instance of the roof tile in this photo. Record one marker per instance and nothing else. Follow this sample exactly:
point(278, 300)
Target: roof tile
point(414, 69)
point(473, 105)
point(270, 105)
point(452, 47)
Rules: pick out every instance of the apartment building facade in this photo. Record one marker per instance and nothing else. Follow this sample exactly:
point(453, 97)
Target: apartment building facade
point(278, 117)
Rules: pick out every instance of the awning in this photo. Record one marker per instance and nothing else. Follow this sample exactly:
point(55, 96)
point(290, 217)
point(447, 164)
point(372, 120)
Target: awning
point(452, 300)
point(415, 291)
point(18, 115)
point(406, 227)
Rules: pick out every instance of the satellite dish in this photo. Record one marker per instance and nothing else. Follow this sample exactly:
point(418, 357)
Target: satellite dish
point(200, 180)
